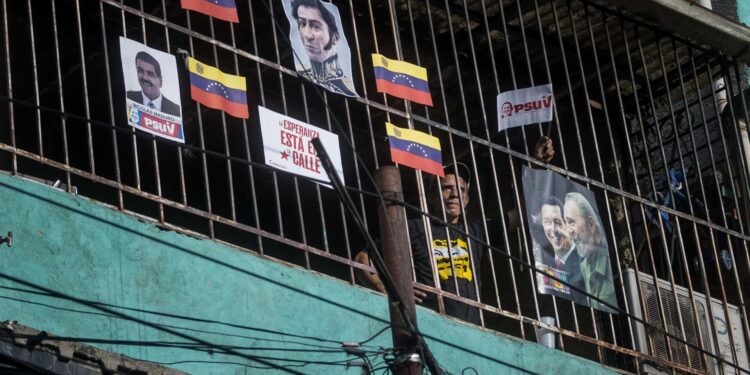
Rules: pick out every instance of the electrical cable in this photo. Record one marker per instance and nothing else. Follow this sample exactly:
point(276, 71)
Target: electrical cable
point(361, 343)
point(378, 194)
point(137, 320)
point(340, 188)
point(382, 199)
point(181, 317)
point(378, 261)
point(173, 344)
point(192, 346)
point(100, 123)
point(533, 268)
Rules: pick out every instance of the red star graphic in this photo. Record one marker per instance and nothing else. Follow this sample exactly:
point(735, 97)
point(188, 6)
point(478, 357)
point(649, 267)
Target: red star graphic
point(284, 155)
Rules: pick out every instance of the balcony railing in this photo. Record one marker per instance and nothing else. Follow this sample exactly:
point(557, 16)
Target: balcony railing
point(635, 106)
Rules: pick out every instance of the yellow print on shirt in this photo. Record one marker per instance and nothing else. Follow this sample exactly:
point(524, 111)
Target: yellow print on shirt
point(459, 254)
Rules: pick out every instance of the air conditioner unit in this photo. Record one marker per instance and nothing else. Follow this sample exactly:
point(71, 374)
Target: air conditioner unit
point(715, 337)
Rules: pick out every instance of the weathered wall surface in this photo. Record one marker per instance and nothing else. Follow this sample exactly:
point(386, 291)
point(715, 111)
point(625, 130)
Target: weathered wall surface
point(743, 11)
point(738, 11)
point(82, 270)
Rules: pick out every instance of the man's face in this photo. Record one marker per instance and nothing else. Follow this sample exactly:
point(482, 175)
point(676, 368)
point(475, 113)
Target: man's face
point(314, 33)
point(507, 109)
point(554, 227)
point(450, 186)
point(577, 228)
point(149, 80)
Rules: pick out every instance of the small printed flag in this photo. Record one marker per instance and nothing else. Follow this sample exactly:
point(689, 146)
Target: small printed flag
point(216, 89)
point(401, 79)
point(221, 9)
point(415, 149)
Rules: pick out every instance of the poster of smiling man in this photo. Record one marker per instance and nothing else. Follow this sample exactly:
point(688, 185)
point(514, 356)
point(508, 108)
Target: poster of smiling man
point(568, 239)
point(152, 90)
point(321, 52)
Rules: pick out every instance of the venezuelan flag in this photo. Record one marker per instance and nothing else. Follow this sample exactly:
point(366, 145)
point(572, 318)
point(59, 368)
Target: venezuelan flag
point(401, 79)
point(221, 9)
point(216, 89)
point(415, 149)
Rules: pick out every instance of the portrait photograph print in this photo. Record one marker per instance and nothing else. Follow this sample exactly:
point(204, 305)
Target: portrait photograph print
point(152, 90)
point(321, 52)
point(569, 240)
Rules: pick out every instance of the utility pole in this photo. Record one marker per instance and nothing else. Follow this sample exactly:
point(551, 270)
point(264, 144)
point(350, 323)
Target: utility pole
point(410, 345)
point(395, 243)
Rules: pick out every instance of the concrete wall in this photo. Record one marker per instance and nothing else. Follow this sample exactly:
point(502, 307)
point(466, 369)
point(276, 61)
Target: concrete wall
point(742, 9)
point(79, 269)
point(743, 12)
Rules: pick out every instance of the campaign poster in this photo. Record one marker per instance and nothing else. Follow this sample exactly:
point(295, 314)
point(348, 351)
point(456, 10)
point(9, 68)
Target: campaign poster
point(321, 52)
point(287, 145)
point(531, 105)
point(569, 240)
point(152, 90)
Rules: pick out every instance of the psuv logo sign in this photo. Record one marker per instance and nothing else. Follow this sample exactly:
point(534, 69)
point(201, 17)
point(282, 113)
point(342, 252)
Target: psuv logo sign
point(525, 106)
point(509, 108)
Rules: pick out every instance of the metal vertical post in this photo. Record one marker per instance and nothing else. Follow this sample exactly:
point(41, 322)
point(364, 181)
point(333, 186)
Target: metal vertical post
point(395, 243)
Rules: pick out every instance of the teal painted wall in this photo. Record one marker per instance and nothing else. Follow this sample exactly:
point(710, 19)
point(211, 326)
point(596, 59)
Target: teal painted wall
point(743, 14)
point(743, 11)
point(80, 269)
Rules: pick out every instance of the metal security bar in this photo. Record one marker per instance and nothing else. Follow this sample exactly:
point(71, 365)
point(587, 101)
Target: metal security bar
point(654, 125)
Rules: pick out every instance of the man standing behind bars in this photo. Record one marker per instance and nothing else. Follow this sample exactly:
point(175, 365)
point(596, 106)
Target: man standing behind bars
point(457, 258)
point(456, 261)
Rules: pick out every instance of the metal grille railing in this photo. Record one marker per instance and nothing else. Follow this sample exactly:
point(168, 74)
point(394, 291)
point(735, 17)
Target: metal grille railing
point(632, 103)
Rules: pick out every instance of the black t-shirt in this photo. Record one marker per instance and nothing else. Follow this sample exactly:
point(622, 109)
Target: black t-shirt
point(467, 261)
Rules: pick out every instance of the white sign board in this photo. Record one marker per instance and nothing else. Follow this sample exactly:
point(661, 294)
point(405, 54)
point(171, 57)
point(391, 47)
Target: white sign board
point(525, 106)
point(287, 145)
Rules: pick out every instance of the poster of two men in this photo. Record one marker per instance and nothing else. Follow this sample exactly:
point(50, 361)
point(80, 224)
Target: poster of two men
point(569, 242)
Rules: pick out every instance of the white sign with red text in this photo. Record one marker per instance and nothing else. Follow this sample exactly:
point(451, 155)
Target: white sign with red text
point(525, 106)
point(287, 145)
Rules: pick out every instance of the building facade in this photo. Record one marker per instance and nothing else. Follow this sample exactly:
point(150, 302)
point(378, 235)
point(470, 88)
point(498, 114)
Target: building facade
point(195, 238)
